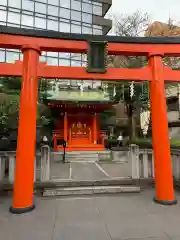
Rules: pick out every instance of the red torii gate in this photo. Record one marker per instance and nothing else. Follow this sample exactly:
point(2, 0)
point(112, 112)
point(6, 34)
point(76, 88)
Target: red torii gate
point(32, 42)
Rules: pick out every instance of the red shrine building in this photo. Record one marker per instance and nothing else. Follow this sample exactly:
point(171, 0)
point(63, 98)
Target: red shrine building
point(76, 111)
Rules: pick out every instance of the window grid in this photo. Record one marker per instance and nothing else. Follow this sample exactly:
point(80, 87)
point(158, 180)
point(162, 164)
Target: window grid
point(47, 14)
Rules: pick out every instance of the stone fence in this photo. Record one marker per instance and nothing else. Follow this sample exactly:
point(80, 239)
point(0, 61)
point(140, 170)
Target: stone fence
point(139, 161)
point(143, 163)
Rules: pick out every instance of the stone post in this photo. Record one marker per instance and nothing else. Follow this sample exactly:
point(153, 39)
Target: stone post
point(176, 165)
point(134, 158)
point(12, 165)
point(2, 167)
point(45, 163)
point(145, 164)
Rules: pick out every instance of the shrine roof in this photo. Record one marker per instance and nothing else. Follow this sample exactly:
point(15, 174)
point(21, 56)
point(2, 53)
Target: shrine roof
point(91, 96)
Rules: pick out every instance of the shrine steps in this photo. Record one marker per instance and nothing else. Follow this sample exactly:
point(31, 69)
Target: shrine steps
point(86, 147)
point(90, 190)
point(93, 187)
point(84, 156)
point(88, 156)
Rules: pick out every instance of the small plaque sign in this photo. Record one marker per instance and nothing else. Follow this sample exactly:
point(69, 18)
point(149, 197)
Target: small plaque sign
point(97, 57)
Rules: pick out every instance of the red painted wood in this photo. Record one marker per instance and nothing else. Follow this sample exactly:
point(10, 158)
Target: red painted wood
point(24, 172)
point(160, 136)
point(60, 45)
point(61, 72)
point(113, 74)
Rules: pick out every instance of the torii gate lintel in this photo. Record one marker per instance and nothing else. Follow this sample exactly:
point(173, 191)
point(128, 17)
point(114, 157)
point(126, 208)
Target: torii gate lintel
point(113, 74)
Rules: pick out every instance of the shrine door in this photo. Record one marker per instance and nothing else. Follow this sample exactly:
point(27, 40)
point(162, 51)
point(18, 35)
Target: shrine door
point(80, 130)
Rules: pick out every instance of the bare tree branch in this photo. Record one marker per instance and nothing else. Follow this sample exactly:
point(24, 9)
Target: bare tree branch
point(130, 25)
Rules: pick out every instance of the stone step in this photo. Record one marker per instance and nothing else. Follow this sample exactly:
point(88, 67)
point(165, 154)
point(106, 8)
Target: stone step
point(81, 156)
point(81, 160)
point(84, 154)
point(91, 156)
point(54, 183)
point(70, 191)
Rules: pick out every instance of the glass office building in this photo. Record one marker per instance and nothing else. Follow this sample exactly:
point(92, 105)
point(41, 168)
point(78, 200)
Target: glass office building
point(73, 16)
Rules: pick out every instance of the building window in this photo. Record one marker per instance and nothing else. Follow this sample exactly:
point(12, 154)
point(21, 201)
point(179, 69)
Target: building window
point(2, 8)
point(75, 15)
point(21, 56)
point(28, 5)
point(40, 7)
point(14, 10)
point(13, 25)
point(97, 10)
point(84, 64)
point(2, 56)
point(52, 61)
point(3, 2)
point(54, 2)
point(14, 18)
point(65, 13)
point(3, 15)
point(76, 63)
point(27, 13)
point(64, 62)
point(53, 18)
point(42, 59)
point(27, 20)
point(86, 30)
point(64, 27)
point(64, 55)
point(65, 3)
point(43, 1)
point(52, 25)
point(3, 23)
point(87, 18)
point(75, 28)
point(11, 57)
point(76, 56)
point(27, 27)
point(52, 54)
point(16, 4)
point(52, 10)
point(40, 23)
point(87, 7)
point(76, 5)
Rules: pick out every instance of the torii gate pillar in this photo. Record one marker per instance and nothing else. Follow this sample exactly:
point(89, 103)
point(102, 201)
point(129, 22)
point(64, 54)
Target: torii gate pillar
point(161, 144)
point(24, 171)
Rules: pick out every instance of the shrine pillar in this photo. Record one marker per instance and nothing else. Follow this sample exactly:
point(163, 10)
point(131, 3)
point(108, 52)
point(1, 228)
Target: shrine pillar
point(25, 154)
point(95, 128)
point(65, 126)
point(160, 136)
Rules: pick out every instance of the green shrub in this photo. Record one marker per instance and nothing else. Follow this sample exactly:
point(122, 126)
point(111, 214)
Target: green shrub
point(110, 142)
point(148, 142)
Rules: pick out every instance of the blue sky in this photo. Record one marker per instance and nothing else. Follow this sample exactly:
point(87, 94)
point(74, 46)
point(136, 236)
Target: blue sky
point(159, 10)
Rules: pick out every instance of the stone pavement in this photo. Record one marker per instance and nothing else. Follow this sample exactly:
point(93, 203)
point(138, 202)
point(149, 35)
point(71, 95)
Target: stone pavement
point(119, 217)
point(89, 170)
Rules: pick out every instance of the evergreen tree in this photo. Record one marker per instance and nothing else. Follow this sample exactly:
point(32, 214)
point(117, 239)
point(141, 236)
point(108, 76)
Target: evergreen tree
point(10, 88)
